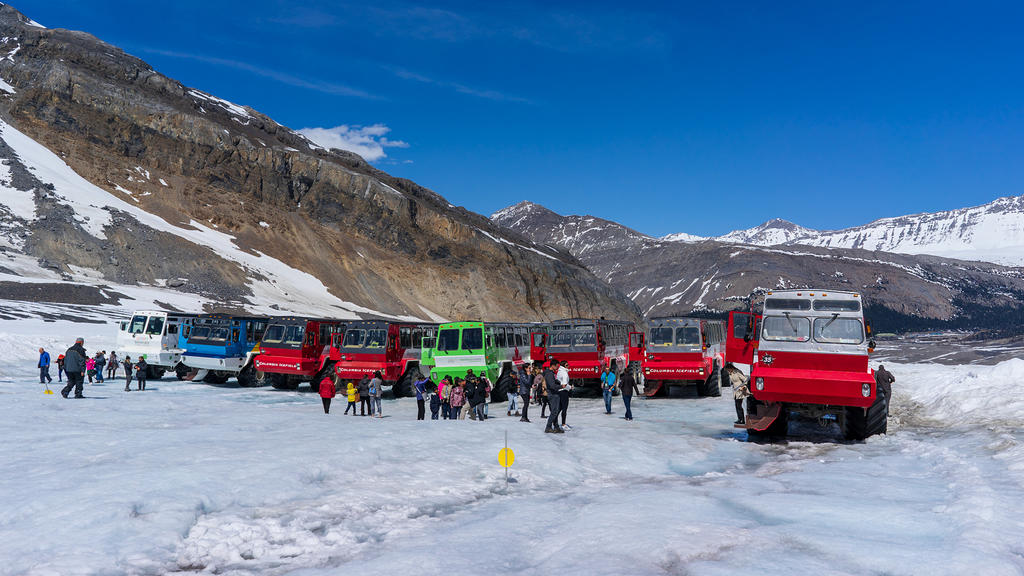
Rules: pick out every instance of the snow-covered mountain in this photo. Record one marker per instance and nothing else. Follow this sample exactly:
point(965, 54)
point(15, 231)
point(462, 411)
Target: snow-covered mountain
point(712, 276)
point(114, 177)
point(992, 232)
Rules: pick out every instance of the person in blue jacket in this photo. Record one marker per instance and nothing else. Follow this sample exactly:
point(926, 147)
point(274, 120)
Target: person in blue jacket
point(608, 388)
point(421, 392)
point(44, 367)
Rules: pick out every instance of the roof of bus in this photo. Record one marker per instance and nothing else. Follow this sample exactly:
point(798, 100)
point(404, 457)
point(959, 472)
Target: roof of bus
point(229, 317)
point(383, 323)
point(590, 321)
point(685, 320)
point(809, 292)
point(162, 313)
point(476, 323)
point(303, 319)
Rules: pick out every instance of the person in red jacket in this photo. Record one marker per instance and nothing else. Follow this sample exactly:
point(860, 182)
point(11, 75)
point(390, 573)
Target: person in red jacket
point(327, 391)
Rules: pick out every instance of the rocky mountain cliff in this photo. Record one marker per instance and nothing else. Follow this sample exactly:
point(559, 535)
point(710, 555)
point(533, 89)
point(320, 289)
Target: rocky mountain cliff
point(114, 174)
point(993, 232)
point(711, 277)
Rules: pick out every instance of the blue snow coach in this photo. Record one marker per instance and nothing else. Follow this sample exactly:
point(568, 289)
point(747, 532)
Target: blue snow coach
point(216, 347)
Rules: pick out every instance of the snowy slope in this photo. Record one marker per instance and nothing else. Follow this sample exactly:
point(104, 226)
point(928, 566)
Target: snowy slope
point(217, 479)
point(770, 233)
point(272, 282)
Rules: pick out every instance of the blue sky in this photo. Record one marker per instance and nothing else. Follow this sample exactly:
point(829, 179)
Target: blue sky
point(696, 117)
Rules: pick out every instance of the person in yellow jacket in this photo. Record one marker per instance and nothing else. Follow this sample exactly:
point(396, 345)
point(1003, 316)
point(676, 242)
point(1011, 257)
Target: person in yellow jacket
point(353, 398)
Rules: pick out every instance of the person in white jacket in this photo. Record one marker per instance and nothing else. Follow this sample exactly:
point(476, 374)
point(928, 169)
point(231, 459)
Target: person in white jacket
point(563, 395)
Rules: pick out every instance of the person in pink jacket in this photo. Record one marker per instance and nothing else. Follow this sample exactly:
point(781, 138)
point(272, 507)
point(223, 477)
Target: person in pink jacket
point(457, 398)
point(90, 368)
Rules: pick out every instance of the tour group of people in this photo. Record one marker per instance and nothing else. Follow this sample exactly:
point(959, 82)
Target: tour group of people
point(459, 398)
point(77, 365)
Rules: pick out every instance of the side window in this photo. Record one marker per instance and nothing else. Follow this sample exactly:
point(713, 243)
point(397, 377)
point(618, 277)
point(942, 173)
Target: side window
point(172, 329)
point(234, 335)
point(500, 333)
point(417, 338)
point(405, 337)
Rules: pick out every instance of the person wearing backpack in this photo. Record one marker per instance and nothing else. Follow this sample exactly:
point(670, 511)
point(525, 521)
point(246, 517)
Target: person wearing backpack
point(363, 396)
point(435, 401)
point(457, 398)
point(112, 365)
point(328, 390)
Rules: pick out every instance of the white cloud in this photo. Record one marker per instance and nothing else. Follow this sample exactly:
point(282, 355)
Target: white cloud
point(367, 141)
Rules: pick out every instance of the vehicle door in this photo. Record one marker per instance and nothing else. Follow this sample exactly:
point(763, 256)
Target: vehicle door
point(742, 337)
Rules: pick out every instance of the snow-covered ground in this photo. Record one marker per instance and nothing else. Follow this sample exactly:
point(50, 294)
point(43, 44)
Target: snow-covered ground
point(218, 479)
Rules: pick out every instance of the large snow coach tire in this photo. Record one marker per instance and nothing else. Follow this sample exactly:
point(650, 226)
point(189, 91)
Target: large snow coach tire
point(404, 387)
point(327, 370)
point(246, 377)
point(154, 373)
point(713, 385)
point(861, 423)
point(181, 371)
point(215, 378)
point(282, 382)
point(654, 388)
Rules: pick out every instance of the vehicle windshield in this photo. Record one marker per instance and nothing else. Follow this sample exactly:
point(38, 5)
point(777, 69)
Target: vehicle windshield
point(661, 336)
point(294, 334)
point(208, 333)
point(786, 328)
point(837, 305)
point(274, 334)
point(687, 336)
point(448, 339)
point(138, 325)
point(365, 338)
point(838, 330)
point(574, 339)
point(155, 326)
point(472, 338)
point(787, 304)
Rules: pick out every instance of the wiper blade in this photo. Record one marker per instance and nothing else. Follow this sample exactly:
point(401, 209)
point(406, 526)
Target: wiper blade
point(829, 323)
point(790, 320)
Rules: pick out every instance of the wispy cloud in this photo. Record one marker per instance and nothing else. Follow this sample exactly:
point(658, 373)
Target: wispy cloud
point(367, 141)
point(457, 86)
point(282, 77)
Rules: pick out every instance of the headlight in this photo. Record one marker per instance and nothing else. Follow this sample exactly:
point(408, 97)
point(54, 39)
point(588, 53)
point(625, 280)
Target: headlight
point(759, 383)
point(865, 389)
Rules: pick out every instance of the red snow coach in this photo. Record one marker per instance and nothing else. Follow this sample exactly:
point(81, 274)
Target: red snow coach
point(809, 357)
point(682, 351)
point(587, 344)
point(393, 348)
point(295, 350)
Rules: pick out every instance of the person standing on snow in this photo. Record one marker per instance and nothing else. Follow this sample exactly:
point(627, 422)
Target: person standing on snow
point(608, 388)
point(541, 393)
point(127, 373)
point(90, 368)
point(553, 387)
point(435, 401)
point(421, 393)
point(140, 373)
point(60, 368)
point(627, 387)
point(101, 363)
point(363, 396)
point(44, 367)
point(740, 390)
point(444, 391)
point(884, 380)
point(352, 395)
point(376, 392)
point(525, 381)
point(74, 367)
point(112, 365)
point(327, 391)
point(512, 392)
point(457, 398)
point(563, 393)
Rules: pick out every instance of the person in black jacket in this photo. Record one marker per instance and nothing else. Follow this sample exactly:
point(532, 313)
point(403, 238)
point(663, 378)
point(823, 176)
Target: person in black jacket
point(627, 386)
point(884, 380)
point(74, 367)
point(140, 373)
point(525, 383)
point(127, 373)
point(554, 387)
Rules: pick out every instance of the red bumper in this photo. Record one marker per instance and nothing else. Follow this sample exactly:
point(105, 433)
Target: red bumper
point(674, 370)
point(825, 387)
point(291, 366)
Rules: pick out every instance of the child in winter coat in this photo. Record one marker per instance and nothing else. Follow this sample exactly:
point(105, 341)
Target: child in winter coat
point(353, 398)
point(60, 368)
point(327, 391)
point(435, 402)
point(90, 368)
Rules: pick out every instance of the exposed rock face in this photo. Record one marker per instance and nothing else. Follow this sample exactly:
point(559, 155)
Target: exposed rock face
point(673, 277)
point(374, 240)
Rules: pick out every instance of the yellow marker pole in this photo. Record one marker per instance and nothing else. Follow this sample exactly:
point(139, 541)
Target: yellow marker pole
point(505, 458)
